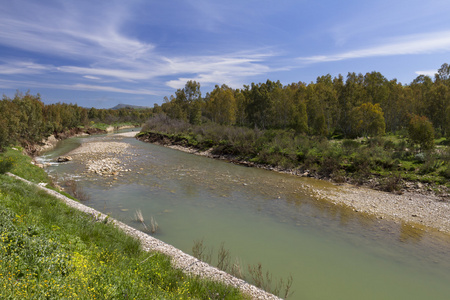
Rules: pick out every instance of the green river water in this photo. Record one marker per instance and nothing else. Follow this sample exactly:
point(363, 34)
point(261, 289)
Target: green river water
point(262, 216)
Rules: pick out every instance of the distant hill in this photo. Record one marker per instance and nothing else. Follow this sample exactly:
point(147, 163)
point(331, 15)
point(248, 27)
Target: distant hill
point(119, 106)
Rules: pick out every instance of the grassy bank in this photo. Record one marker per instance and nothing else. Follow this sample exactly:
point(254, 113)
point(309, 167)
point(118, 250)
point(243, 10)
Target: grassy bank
point(104, 126)
point(51, 251)
point(387, 163)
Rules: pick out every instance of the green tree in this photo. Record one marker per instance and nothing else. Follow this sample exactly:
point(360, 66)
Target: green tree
point(421, 132)
point(221, 105)
point(367, 120)
point(298, 116)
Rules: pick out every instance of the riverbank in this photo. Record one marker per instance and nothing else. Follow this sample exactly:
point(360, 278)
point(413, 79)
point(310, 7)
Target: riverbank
point(180, 260)
point(53, 247)
point(416, 206)
point(50, 142)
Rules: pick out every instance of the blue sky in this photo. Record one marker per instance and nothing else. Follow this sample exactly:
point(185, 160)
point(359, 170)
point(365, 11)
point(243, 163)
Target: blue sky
point(102, 53)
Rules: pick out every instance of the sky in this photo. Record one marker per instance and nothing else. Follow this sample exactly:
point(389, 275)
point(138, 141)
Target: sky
point(102, 53)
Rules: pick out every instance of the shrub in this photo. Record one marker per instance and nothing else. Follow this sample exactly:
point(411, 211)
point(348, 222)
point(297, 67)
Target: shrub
point(391, 183)
point(421, 132)
point(389, 145)
point(6, 164)
point(350, 145)
point(446, 172)
point(329, 166)
point(430, 164)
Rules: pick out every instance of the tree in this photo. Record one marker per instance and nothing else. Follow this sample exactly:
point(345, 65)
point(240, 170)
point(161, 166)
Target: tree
point(221, 105)
point(421, 132)
point(367, 120)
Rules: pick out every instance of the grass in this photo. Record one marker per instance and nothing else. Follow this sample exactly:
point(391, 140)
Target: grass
point(20, 165)
point(104, 126)
point(51, 251)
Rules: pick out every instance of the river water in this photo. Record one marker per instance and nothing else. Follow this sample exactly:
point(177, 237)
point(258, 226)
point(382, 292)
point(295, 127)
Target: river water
point(262, 216)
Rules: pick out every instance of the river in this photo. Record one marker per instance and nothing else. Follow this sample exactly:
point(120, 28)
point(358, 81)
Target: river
point(261, 216)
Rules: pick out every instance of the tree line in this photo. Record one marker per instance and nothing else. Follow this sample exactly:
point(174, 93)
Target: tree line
point(356, 106)
point(25, 119)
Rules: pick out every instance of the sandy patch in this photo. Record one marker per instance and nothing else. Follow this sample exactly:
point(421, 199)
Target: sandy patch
point(127, 134)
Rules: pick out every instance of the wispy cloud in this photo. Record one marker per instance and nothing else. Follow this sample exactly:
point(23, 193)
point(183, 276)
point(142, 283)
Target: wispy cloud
point(416, 44)
point(207, 69)
point(100, 50)
point(429, 73)
point(23, 67)
point(79, 87)
point(228, 69)
point(92, 77)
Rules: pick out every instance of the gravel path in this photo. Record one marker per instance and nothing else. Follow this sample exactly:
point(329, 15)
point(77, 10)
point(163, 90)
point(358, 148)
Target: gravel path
point(181, 260)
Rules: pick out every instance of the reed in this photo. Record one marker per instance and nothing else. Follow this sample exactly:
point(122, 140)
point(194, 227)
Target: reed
point(154, 225)
point(74, 189)
point(255, 273)
point(140, 218)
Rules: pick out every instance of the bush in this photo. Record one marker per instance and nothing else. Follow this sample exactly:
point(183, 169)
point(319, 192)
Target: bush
point(350, 146)
point(6, 164)
point(329, 166)
point(430, 164)
point(421, 132)
point(391, 183)
point(389, 145)
point(446, 172)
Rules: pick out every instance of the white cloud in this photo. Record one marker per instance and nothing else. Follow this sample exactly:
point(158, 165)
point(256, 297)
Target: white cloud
point(117, 73)
point(63, 33)
point(416, 44)
point(18, 67)
point(95, 46)
point(87, 87)
point(429, 73)
point(8, 84)
point(92, 77)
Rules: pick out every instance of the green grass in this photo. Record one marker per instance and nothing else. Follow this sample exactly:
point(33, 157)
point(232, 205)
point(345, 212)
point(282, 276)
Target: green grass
point(103, 126)
point(51, 251)
point(21, 166)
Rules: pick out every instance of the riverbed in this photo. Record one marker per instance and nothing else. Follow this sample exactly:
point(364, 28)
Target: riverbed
point(287, 223)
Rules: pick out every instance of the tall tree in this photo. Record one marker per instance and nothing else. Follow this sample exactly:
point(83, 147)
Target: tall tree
point(221, 105)
point(367, 120)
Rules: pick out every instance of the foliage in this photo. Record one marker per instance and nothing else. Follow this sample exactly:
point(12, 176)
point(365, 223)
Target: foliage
point(367, 120)
point(25, 120)
point(421, 132)
point(359, 105)
point(6, 164)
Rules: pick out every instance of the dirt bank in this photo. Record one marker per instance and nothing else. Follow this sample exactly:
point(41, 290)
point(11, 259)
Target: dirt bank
point(51, 141)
